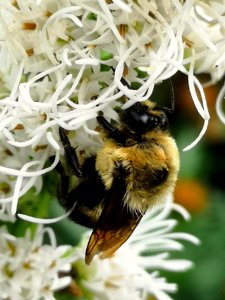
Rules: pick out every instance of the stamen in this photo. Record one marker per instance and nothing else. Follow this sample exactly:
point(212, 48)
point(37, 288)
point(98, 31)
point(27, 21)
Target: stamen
point(201, 134)
point(122, 30)
point(48, 14)
point(45, 221)
point(52, 141)
point(29, 26)
point(15, 88)
point(19, 184)
point(30, 51)
point(51, 236)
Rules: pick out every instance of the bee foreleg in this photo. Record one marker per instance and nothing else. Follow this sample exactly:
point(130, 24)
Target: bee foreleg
point(70, 153)
point(123, 81)
point(63, 187)
point(111, 131)
point(87, 197)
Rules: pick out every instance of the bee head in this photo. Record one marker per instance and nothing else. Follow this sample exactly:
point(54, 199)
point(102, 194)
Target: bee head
point(141, 118)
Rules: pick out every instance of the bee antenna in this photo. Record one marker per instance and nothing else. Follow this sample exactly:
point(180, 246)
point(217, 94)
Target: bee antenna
point(172, 96)
point(169, 110)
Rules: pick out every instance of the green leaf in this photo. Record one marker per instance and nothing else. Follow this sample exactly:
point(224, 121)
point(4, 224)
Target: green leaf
point(105, 55)
point(91, 16)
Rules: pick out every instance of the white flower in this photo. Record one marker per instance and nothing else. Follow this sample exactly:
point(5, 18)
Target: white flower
point(134, 268)
point(205, 33)
point(56, 60)
point(30, 269)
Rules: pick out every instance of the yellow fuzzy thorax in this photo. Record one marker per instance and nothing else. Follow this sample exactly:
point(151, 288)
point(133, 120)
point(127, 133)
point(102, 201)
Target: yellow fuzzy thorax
point(158, 151)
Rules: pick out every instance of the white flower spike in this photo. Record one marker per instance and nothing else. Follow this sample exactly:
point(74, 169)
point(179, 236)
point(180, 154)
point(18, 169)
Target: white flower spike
point(30, 269)
point(51, 67)
point(61, 62)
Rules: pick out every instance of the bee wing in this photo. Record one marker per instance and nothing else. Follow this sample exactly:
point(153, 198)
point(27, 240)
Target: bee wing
point(114, 226)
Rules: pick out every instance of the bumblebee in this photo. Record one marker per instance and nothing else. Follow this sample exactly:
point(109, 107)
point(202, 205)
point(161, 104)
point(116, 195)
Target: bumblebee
point(135, 170)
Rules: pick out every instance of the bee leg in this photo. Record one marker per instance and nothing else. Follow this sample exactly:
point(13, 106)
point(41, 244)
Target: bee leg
point(123, 81)
point(70, 153)
point(86, 198)
point(112, 132)
point(63, 187)
point(72, 162)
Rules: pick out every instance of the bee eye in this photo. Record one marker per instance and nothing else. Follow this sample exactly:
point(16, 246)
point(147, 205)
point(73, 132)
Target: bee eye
point(139, 119)
point(136, 117)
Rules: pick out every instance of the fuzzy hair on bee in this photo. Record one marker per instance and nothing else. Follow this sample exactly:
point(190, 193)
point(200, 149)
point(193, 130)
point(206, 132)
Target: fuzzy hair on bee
point(135, 170)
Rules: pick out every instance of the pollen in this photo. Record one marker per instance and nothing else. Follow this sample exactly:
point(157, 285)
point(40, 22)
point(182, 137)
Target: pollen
point(40, 147)
point(4, 188)
point(26, 265)
point(123, 28)
point(11, 248)
point(48, 13)
point(148, 45)
point(125, 71)
point(92, 47)
point(7, 270)
point(53, 264)
point(30, 52)
point(14, 3)
point(187, 42)
point(29, 26)
point(19, 127)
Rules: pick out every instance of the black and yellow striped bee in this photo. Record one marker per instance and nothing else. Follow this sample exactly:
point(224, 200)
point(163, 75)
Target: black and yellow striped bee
point(135, 170)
